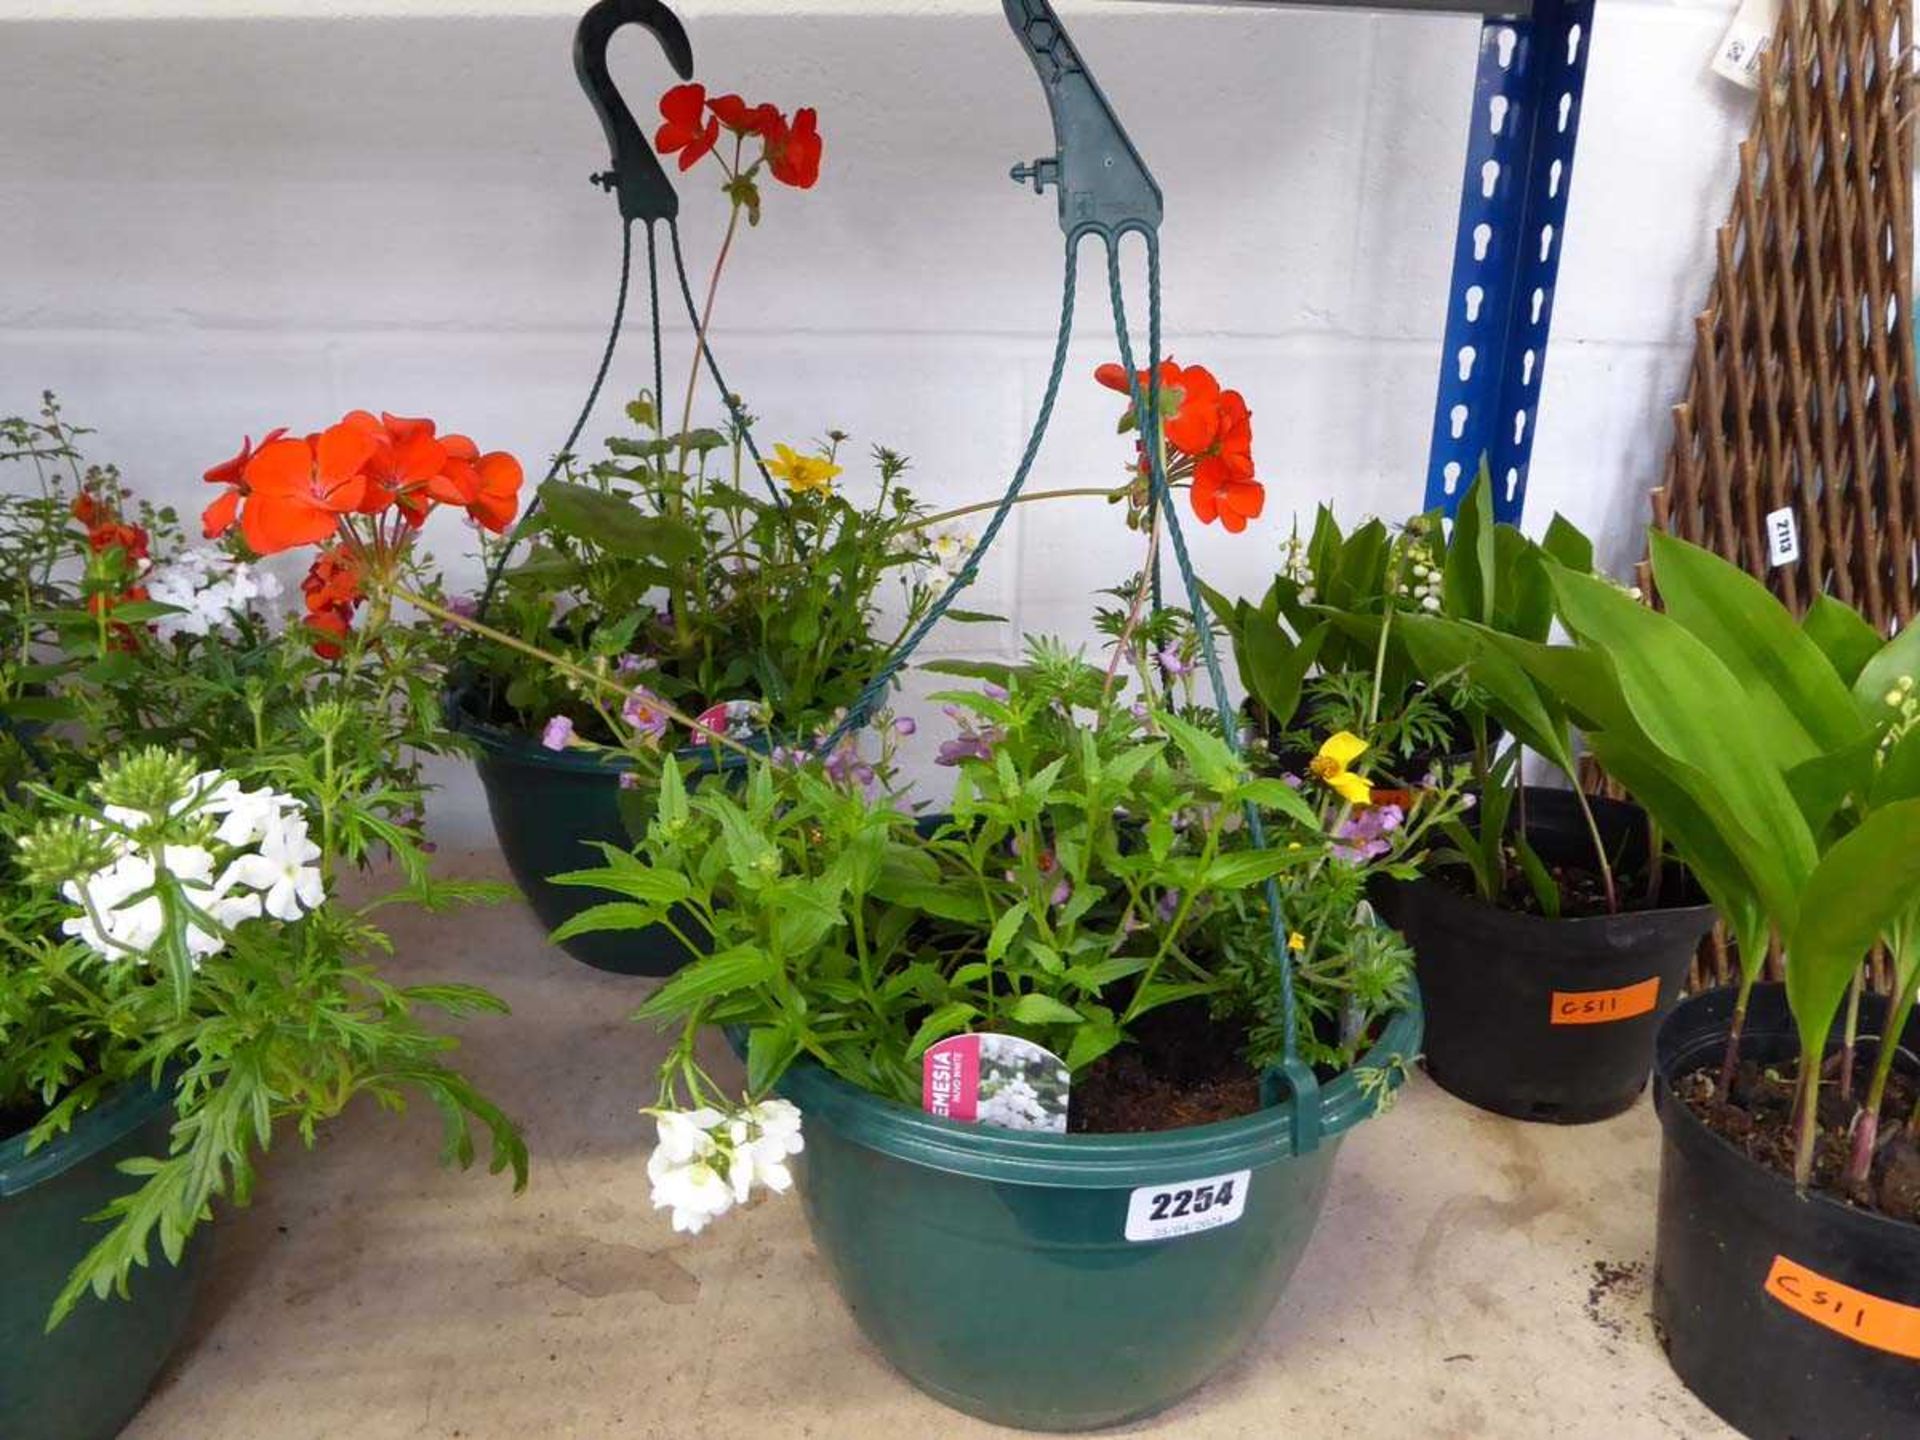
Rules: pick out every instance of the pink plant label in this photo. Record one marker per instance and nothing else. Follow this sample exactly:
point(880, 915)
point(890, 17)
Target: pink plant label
point(998, 1080)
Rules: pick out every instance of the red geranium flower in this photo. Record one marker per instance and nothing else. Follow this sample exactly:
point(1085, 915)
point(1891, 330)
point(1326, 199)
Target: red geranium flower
point(794, 151)
point(744, 119)
point(1211, 432)
point(297, 490)
point(686, 129)
point(218, 518)
point(488, 486)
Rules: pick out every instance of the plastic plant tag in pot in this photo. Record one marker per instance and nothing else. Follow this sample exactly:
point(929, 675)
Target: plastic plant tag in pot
point(998, 1080)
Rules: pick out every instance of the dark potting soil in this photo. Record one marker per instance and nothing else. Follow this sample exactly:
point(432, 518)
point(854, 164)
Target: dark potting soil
point(17, 1120)
point(1183, 1068)
point(1756, 1118)
point(1583, 894)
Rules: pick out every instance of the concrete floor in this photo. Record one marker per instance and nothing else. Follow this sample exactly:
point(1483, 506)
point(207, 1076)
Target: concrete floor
point(1472, 1278)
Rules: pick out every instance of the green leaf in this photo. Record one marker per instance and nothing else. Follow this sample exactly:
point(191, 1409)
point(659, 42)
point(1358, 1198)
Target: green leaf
point(770, 1050)
point(741, 968)
point(1467, 590)
point(949, 1019)
point(637, 882)
point(1843, 635)
point(613, 915)
point(1897, 660)
point(1043, 1010)
point(1274, 667)
point(1565, 543)
point(975, 617)
point(1440, 647)
point(1864, 883)
point(1239, 869)
point(1690, 708)
point(1214, 764)
point(1801, 707)
point(616, 526)
point(1099, 1034)
point(1005, 929)
point(1271, 794)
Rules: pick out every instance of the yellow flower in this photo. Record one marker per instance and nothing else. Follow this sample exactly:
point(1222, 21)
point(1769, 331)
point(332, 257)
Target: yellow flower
point(803, 473)
point(1330, 768)
point(1296, 942)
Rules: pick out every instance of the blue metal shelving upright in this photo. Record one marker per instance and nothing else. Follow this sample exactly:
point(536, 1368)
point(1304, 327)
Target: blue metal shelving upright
point(1512, 231)
point(1524, 123)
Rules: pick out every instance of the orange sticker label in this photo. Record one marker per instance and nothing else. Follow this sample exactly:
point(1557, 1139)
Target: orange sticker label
point(1862, 1318)
point(1603, 1007)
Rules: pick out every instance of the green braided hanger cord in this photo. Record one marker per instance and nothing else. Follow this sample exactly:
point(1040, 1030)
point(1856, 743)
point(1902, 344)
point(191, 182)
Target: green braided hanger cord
point(882, 682)
point(499, 565)
point(1298, 1074)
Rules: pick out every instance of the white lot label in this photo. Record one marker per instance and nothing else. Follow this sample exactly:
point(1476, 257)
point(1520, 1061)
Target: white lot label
point(1161, 1212)
point(1738, 58)
point(1783, 538)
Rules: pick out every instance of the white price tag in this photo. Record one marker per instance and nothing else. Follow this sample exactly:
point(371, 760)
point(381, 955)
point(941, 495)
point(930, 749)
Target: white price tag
point(1750, 36)
point(1162, 1212)
point(1783, 538)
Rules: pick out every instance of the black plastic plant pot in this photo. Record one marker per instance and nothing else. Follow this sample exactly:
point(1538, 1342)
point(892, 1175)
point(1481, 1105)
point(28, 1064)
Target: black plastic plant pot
point(549, 809)
point(1549, 1020)
point(85, 1380)
point(1793, 1317)
point(1065, 1282)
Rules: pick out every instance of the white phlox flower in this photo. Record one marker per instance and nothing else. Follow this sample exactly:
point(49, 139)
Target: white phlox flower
point(259, 849)
point(208, 589)
point(282, 870)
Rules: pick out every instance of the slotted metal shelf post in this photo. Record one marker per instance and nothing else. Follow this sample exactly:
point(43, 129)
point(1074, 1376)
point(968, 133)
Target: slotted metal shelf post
point(1521, 133)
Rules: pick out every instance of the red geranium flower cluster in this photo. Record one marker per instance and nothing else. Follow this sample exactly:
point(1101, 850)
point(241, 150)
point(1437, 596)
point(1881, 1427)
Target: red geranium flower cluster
point(366, 484)
point(692, 125)
point(300, 492)
point(120, 550)
point(333, 593)
point(1210, 434)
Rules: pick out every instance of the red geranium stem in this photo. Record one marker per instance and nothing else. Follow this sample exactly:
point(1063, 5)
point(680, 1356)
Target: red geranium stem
point(706, 320)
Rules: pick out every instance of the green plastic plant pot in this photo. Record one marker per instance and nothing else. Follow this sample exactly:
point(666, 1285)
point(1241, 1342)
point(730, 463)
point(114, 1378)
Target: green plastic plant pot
point(549, 808)
point(86, 1379)
point(994, 1268)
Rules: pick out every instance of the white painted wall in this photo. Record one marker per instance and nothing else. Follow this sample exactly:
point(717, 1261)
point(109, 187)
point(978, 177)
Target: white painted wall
point(221, 215)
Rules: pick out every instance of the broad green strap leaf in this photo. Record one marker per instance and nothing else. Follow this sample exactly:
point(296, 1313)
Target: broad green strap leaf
point(1273, 667)
point(1898, 777)
point(1863, 884)
point(1468, 575)
point(1802, 707)
point(1843, 635)
point(1662, 788)
point(1688, 705)
point(1897, 660)
point(1565, 542)
point(1825, 783)
point(1440, 646)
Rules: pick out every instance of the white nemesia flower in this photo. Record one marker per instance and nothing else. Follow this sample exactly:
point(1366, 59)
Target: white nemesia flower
point(707, 1162)
point(694, 1191)
point(950, 549)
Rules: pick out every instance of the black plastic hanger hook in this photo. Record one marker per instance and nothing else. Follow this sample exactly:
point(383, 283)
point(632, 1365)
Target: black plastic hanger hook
point(637, 176)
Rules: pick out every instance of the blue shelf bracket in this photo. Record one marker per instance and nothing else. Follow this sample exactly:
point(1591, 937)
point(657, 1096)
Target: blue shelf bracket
point(1506, 263)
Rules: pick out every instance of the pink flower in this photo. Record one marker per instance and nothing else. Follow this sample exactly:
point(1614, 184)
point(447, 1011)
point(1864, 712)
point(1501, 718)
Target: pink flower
point(559, 733)
point(644, 713)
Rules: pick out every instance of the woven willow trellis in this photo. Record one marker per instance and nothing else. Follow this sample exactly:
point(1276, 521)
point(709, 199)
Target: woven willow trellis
point(1802, 395)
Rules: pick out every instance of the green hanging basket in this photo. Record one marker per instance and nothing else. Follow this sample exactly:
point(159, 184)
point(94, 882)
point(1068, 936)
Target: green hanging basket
point(86, 1379)
point(994, 1269)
